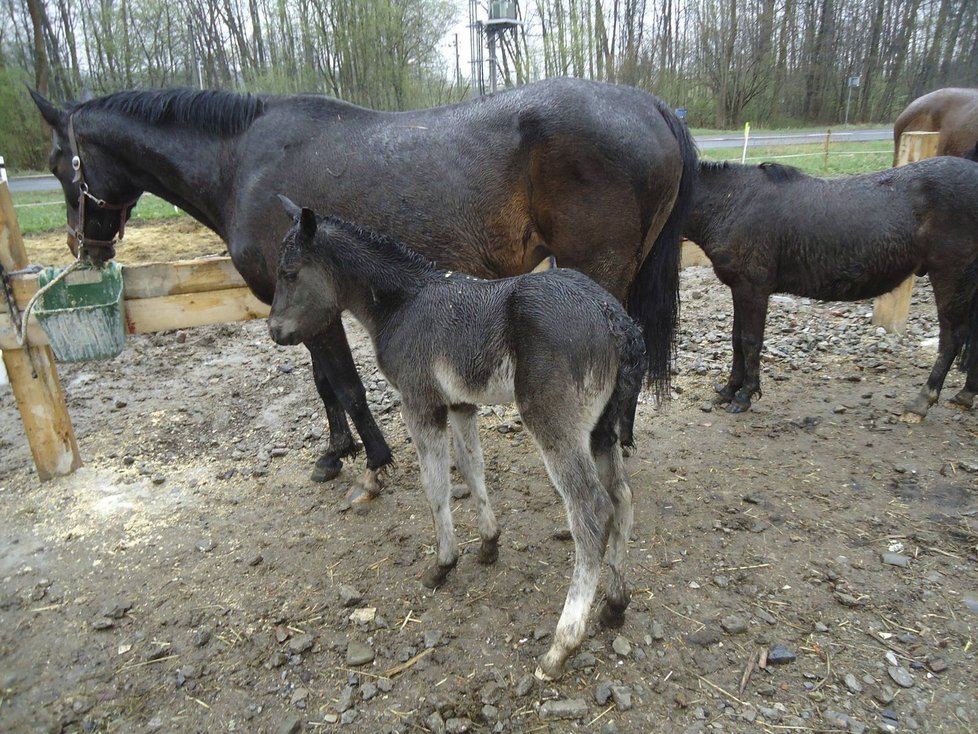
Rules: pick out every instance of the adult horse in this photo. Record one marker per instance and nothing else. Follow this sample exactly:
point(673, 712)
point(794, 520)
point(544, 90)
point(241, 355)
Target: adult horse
point(771, 229)
point(594, 174)
point(953, 112)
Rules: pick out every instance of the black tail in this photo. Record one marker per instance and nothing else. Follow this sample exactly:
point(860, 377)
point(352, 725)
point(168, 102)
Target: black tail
point(654, 297)
point(968, 293)
point(617, 421)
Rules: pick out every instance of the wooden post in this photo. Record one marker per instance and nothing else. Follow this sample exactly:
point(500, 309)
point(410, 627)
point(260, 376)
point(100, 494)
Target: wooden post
point(32, 372)
point(892, 309)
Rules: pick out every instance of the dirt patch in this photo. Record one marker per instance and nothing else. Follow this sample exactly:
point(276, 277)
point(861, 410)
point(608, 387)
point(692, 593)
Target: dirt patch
point(191, 578)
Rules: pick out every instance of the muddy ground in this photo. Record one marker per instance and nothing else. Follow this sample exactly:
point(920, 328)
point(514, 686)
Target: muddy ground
point(190, 578)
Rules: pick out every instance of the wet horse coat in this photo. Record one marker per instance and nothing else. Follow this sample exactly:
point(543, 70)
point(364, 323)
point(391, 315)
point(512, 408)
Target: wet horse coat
point(953, 112)
point(554, 342)
point(597, 175)
point(771, 229)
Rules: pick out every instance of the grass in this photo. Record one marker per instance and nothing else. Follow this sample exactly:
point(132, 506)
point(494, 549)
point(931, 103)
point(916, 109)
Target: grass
point(42, 212)
point(45, 211)
point(842, 159)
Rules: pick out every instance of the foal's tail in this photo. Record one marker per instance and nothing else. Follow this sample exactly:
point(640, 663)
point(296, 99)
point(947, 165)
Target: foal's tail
point(618, 418)
point(653, 300)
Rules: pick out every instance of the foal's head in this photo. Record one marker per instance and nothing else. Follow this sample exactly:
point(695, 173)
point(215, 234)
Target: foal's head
point(306, 298)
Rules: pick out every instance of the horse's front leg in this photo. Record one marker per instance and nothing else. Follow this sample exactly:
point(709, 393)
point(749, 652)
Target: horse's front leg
point(331, 352)
point(752, 306)
point(428, 427)
point(341, 443)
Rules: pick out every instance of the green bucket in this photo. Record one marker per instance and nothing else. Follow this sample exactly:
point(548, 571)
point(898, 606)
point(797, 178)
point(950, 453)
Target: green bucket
point(82, 314)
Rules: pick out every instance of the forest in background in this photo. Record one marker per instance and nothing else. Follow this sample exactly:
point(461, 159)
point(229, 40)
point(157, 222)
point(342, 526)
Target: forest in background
point(774, 62)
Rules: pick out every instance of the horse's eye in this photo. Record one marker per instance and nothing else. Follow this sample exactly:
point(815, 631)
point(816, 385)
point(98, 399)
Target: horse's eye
point(289, 276)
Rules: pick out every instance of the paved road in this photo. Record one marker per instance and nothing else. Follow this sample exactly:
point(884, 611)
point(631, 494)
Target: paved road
point(31, 184)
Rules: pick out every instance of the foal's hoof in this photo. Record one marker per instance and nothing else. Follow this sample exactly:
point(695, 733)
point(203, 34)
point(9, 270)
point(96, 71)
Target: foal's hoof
point(488, 552)
point(611, 615)
point(435, 576)
point(327, 468)
point(547, 671)
point(964, 400)
point(911, 417)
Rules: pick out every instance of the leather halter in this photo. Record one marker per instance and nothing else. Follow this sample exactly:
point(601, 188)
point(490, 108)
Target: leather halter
point(78, 233)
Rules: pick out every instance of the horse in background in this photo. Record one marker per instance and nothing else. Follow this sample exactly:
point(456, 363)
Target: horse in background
point(554, 342)
point(953, 112)
point(771, 229)
point(597, 175)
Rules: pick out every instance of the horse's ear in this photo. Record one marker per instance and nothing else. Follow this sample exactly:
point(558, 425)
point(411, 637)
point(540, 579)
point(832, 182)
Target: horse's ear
point(307, 222)
point(56, 118)
point(291, 208)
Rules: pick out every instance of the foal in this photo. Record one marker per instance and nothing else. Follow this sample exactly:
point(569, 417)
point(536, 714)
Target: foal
point(555, 341)
point(771, 229)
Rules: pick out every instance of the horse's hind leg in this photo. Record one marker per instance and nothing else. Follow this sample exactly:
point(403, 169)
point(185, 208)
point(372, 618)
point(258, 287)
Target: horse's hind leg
point(611, 468)
point(948, 343)
point(589, 512)
point(468, 456)
point(430, 435)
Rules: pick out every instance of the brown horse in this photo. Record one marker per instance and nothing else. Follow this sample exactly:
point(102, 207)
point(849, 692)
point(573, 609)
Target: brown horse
point(597, 175)
point(953, 112)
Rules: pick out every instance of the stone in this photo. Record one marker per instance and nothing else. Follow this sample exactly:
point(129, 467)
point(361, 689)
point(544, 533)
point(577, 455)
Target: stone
point(622, 697)
point(602, 694)
point(458, 725)
point(358, 653)
point(896, 559)
point(435, 723)
point(621, 646)
point(734, 624)
point(568, 708)
point(349, 596)
point(300, 643)
point(291, 725)
point(900, 676)
point(852, 683)
point(780, 655)
point(524, 685)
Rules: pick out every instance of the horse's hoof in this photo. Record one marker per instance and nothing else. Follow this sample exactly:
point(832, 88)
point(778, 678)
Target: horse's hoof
point(911, 417)
point(611, 615)
point(962, 401)
point(488, 552)
point(737, 406)
point(359, 497)
point(327, 469)
point(435, 576)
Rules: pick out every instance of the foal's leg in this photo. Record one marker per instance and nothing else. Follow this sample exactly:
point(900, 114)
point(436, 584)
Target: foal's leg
point(335, 359)
point(725, 393)
point(468, 456)
point(752, 306)
point(611, 468)
point(589, 512)
point(430, 435)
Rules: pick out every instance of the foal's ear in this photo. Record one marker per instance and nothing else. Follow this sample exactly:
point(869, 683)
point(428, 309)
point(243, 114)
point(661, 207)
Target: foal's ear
point(307, 222)
point(291, 208)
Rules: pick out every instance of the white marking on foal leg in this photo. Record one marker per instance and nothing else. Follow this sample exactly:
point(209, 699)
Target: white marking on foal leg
point(468, 457)
point(431, 443)
point(589, 511)
point(367, 487)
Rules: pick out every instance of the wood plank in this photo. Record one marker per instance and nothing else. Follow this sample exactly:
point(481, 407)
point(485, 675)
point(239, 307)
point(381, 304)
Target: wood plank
point(187, 310)
point(32, 372)
point(152, 280)
point(891, 310)
point(165, 313)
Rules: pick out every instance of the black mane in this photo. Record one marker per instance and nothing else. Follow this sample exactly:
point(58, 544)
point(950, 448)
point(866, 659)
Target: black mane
point(213, 111)
point(775, 172)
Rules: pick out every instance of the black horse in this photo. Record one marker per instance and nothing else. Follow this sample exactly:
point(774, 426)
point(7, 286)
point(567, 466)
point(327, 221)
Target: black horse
point(554, 342)
point(771, 229)
point(594, 174)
